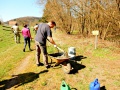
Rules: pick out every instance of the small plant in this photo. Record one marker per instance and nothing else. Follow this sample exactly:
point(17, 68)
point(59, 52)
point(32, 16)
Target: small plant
point(44, 83)
point(63, 78)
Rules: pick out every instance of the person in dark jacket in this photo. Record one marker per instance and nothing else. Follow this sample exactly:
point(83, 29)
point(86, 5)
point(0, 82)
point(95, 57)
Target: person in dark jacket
point(43, 33)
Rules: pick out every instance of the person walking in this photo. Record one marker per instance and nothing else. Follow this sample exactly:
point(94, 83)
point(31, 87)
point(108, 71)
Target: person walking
point(27, 36)
point(16, 32)
point(43, 33)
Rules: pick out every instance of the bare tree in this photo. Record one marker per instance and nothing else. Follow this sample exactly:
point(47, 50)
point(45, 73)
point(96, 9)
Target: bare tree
point(83, 16)
point(118, 3)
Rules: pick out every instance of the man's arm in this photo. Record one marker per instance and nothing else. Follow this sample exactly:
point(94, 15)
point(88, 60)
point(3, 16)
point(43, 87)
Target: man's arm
point(19, 30)
point(51, 40)
point(12, 29)
point(35, 28)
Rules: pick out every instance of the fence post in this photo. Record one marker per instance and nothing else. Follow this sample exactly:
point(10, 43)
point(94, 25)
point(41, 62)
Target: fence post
point(95, 33)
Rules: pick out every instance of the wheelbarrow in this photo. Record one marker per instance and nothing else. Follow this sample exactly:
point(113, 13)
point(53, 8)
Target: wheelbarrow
point(61, 58)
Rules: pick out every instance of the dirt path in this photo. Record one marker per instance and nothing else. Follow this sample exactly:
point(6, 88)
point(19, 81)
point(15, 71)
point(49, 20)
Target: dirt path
point(24, 63)
point(21, 68)
point(18, 70)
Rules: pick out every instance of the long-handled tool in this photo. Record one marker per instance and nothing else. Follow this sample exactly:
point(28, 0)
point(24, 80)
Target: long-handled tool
point(64, 52)
point(60, 49)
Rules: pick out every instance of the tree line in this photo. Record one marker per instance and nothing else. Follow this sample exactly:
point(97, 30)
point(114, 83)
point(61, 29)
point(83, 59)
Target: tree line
point(84, 16)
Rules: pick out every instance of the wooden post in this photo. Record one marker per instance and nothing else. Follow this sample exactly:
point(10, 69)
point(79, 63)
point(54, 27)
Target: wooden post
point(96, 41)
point(96, 33)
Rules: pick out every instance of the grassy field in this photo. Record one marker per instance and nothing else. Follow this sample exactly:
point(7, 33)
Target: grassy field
point(19, 72)
point(10, 52)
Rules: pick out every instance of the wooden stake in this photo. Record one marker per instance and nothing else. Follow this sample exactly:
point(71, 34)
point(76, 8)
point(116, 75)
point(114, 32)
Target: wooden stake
point(96, 40)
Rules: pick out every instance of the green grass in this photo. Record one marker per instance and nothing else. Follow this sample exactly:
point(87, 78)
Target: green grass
point(10, 58)
point(10, 52)
point(101, 52)
point(6, 39)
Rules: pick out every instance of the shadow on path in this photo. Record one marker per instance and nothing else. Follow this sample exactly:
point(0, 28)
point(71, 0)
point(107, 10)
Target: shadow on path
point(20, 79)
point(77, 66)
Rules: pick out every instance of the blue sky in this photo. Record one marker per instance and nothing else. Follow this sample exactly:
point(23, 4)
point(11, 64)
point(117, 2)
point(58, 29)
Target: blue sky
point(10, 9)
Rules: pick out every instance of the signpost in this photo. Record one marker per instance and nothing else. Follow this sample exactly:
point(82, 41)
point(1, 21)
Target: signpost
point(96, 33)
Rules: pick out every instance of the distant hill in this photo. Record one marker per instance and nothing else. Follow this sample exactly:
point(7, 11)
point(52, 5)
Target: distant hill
point(28, 20)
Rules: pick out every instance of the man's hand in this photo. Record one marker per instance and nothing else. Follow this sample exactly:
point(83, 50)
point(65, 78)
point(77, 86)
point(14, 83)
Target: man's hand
point(50, 39)
point(55, 46)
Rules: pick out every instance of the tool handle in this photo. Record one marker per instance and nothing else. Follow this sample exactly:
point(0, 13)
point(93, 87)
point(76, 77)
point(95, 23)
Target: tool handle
point(60, 49)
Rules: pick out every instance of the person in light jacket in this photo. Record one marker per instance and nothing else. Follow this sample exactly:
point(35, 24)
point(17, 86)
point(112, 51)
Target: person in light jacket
point(16, 31)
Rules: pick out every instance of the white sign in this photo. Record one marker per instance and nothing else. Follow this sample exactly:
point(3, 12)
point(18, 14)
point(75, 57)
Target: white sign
point(95, 32)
